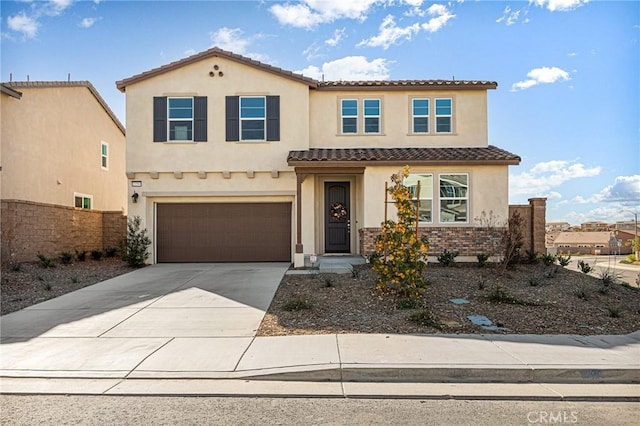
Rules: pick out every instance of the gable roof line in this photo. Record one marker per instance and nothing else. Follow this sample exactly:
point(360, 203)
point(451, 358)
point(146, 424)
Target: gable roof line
point(9, 91)
point(213, 53)
point(83, 83)
point(312, 83)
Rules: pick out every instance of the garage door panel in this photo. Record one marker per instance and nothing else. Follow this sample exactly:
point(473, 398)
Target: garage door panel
point(224, 232)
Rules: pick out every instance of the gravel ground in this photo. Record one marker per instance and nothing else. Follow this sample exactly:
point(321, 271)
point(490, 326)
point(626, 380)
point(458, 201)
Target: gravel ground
point(537, 299)
point(33, 283)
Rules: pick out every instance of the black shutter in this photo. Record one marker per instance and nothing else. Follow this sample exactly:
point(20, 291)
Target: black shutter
point(273, 118)
point(232, 118)
point(200, 119)
point(160, 119)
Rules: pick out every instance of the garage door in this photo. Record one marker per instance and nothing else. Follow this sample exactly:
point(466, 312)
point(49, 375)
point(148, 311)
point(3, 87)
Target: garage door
point(224, 232)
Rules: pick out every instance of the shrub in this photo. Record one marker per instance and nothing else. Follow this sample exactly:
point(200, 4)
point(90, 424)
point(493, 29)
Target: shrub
point(499, 294)
point(328, 280)
point(447, 257)
point(512, 240)
point(401, 254)
point(66, 257)
point(532, 257)
point(584, 267)
point(110, 251)
point(15, 267)
point(137, 245)
point(534, 281)
point(46, 286)
point(548, 259)
point(74, 279)
point(297, 304)
point(45, 261)
point(551, 273)
point(81, 255)
point(564, 260)
point(482, 259)
point(409, 303)
point(482, 283)
point(582, 292)
point(425, 318)
point(608, 277)
point(96, 254)
point(614, 311)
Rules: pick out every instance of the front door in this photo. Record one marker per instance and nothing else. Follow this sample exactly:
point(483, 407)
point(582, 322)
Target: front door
point(337, 230)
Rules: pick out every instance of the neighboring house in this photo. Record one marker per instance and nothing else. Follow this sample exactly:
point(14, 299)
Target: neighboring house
point(594, 242)
point(557, 226)
point(63, 184)
point(230, 159)
point(595, 226)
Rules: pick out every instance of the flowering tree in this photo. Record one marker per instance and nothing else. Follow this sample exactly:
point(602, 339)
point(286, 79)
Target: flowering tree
point(400, 259)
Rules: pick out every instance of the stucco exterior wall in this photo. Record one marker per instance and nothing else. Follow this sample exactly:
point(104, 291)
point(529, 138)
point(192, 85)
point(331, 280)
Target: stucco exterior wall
point(469, 120)
point(51, 149)
point(216, 154)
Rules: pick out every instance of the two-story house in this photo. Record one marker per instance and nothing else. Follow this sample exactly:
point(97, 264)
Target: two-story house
point(230, 159)
point(63, 186)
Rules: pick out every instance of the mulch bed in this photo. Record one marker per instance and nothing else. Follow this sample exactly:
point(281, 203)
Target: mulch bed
point(535, 299)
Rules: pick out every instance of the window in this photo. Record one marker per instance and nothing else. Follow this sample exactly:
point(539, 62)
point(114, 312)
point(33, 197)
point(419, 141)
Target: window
point(420, 112)
point(349, 116)
point(454, 197)
point(372, 115)
point(180, 119)
point(252, 118)
point(426, 194)
point(104, 155)
point(82, 201)
point(443, 115)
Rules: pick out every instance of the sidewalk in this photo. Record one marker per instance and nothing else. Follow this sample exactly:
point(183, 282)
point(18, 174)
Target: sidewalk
point(419, 366)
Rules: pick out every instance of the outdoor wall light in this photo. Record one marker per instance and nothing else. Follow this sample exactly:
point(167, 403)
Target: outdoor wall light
point(135, 196)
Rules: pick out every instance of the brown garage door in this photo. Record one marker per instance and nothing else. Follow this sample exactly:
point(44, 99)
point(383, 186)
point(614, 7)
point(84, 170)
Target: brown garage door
point(224, 232)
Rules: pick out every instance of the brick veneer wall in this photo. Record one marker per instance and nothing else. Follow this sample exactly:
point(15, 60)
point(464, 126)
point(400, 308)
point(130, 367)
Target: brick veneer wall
point(29, 228)
point(468, 241)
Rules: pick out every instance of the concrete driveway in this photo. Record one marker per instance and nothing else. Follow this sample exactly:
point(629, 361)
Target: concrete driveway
point(113, 326)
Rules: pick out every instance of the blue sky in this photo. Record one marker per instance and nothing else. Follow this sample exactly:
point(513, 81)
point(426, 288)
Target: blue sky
point(568, 97)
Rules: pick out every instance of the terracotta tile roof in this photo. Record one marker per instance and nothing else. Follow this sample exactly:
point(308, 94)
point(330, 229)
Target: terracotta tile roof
point(401, 156)
point(407, 84)
point(313, 84)
point(87, 84)
point(213, 53)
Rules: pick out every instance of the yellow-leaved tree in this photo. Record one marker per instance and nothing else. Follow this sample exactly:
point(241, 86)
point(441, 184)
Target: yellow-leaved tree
point(400, 255)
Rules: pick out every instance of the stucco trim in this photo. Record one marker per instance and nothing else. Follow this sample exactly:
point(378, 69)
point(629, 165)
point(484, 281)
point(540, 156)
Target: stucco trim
point(217, 193)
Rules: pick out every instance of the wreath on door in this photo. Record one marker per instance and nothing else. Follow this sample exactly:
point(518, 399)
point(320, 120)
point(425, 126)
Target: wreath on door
point(338, 212)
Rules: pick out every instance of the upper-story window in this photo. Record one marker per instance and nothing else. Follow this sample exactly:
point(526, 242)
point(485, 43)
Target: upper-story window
point(180, 119)
point(444, 115)
point(252, 118)
point(180, 116)
point(425, 195)
point(104, 155)
point(355, 111)
point(454, 197)
point(349, 110)
point(420, 115)
point(371, 115)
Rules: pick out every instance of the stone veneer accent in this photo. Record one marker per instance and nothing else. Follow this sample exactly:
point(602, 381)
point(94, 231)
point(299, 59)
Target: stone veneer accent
point(29, 228)
point(469, 241)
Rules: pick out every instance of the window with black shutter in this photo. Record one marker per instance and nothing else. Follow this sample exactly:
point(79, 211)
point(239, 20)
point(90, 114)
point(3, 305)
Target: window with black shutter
point(180, 119)
point(252, 118)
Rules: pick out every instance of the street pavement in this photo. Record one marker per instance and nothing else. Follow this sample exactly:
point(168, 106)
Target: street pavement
point(189, 329)
point(600, 264)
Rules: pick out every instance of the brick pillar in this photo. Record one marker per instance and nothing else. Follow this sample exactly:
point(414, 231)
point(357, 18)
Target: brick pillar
point(538, 222)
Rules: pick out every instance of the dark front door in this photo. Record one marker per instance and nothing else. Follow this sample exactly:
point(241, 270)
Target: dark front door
point(337, 230)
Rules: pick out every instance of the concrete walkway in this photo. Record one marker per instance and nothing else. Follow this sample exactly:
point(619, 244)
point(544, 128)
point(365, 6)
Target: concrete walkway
point(190, 330)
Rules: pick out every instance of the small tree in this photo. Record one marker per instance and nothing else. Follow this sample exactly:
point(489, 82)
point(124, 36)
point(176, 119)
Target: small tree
point(512, 240)
point(138, 242)
point(400, 259)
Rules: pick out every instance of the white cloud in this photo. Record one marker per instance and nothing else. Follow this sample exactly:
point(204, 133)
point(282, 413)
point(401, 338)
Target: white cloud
point(310, 13)
point(543, 75)
point(337, 36)
point(88, 22)
point(624, 189)
point(23, 24)
point(230, 39)
point(441, 15)
point(559, 5)
point(349, 68)
point(509, 17)
point(56, 7)
point(543, 177)
point(390, 33)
